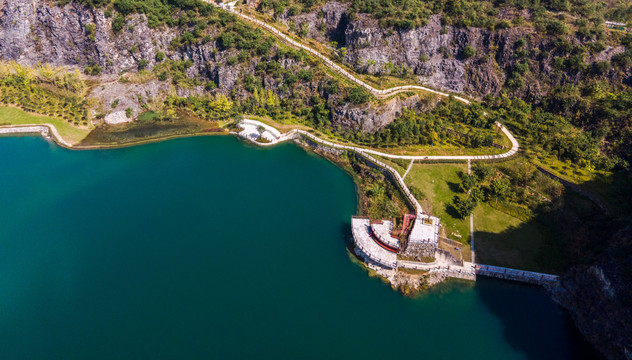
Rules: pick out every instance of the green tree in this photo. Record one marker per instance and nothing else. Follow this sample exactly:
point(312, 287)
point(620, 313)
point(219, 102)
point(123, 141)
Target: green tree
point(464, 206)
point(481, 171)
point(358, 95)
point(343, 51)
point(469, 52)
point(143, 63)
point(261, 130)
point(499, 187)
point(303, 30)
point(118, 23)
point(468, 182)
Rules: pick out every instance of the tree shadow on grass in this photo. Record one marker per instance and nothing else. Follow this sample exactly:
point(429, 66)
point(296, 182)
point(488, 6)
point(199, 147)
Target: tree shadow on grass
point(455, 187)
point(451, 210)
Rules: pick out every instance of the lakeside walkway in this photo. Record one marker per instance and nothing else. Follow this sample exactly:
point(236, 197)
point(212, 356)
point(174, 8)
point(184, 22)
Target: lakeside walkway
point(373, 252)
point(290, 135)
point(517, 275)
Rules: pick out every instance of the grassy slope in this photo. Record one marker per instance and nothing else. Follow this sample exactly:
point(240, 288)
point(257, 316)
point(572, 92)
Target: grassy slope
point(15, 116)
point(439, 183)
point(500, 239)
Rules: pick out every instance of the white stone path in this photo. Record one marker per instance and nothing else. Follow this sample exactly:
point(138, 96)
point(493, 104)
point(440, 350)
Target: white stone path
point(378, 92)
point(410, 166)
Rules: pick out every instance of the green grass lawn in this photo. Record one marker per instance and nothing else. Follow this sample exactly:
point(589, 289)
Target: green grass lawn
point(14, 116)
point(499, 239)
point(439, 183)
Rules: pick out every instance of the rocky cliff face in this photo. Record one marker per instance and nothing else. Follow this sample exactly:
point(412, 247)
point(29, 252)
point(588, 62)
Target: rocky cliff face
point(599, 298)
point(435, 55)
point(37, 31)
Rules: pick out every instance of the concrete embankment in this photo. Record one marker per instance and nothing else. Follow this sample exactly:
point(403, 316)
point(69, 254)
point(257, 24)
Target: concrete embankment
point(46, 130)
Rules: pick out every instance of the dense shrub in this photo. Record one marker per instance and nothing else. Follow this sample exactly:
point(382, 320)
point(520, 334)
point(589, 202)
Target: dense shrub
point(358, 95)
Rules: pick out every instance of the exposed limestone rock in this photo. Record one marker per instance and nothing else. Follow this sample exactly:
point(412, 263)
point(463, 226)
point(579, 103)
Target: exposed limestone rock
point(36, 31)
point(325, 27)
point(368, 119)
point(117, 117)
point(116, 97)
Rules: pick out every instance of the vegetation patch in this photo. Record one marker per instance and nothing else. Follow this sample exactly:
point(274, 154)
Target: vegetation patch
point(150, 126)
point(46, 90)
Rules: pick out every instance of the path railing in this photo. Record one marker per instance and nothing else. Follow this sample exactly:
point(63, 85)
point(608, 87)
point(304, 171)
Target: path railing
point(337, 68)
point(517, 275)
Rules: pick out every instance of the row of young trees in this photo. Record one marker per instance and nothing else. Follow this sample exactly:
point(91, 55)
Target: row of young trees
point(209, 107)
point(46, 90)
point(515, 187)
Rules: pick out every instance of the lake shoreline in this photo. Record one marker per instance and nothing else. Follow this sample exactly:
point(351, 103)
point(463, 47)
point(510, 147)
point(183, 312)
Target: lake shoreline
point(408, 285)
point(49, 132)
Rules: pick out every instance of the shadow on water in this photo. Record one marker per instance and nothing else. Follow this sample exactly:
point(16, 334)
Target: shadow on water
point(531, 323)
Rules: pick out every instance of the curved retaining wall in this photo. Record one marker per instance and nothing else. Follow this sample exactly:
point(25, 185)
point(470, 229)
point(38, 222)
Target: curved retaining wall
point(45, 130)
point(371, 249)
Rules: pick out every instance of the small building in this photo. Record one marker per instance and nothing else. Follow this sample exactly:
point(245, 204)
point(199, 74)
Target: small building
point(423, 238)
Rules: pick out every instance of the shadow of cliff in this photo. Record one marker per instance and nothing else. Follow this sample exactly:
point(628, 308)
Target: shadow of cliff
point(531, 323)
point(572, 231)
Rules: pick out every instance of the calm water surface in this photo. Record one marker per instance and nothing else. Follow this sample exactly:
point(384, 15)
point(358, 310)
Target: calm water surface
point(209, 248)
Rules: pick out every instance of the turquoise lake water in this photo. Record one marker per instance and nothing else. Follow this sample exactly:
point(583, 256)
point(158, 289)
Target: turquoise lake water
point(208, 248)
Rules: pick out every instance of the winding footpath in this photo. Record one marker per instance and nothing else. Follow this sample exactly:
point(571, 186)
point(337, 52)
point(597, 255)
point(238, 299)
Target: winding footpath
point(377, 92)
point(337, 68)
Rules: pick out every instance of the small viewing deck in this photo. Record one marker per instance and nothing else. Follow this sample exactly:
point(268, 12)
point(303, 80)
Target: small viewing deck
point(369, 246)
point(376, 245)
